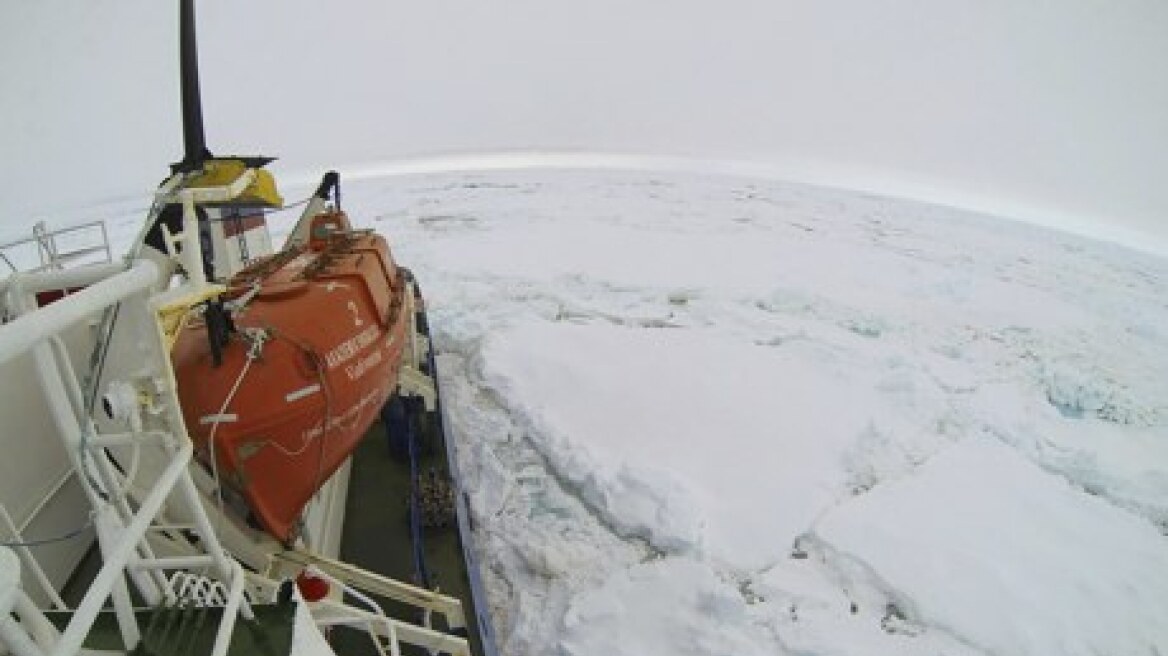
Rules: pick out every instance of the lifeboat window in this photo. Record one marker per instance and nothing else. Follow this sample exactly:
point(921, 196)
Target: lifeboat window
point(324, 230)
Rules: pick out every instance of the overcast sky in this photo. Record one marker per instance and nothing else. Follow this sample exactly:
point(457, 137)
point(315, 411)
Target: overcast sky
point(1055, 112)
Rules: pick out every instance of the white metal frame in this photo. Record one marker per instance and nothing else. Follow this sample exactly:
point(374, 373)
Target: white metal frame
point(121, 527)
point(387, 633)
point(128, 528)
point(49, 253)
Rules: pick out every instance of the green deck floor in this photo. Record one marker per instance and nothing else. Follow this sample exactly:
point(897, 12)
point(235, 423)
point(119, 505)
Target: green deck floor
point(376, 536)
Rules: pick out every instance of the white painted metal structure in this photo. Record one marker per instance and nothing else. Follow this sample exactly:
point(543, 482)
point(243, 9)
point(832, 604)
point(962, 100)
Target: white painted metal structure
point(157, 425)
point(133, 467)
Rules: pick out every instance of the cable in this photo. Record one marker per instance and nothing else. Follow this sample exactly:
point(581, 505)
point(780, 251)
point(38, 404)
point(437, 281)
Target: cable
point(96, 367)
point(328, 402)
point(215, 427)
point(298, 203)
point(60, 538)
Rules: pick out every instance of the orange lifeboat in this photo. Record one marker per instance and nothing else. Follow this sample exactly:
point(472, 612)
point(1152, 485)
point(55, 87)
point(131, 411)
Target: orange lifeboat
point(313, 354)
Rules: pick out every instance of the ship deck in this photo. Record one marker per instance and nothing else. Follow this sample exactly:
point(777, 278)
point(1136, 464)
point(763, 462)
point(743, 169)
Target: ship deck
point(376, 534)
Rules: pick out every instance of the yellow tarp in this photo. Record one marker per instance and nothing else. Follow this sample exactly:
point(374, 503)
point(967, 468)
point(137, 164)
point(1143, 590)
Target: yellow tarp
point(222, 172)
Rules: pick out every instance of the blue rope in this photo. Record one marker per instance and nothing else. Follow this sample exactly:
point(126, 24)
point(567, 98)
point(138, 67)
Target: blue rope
point(396, 416)
point(417, 539)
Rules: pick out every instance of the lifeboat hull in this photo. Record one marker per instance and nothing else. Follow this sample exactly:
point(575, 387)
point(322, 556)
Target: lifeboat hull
point(315, 354)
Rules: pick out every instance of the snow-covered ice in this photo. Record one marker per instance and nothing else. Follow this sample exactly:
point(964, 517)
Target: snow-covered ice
point(984, 543)
point(694, 441)
point(713, 415)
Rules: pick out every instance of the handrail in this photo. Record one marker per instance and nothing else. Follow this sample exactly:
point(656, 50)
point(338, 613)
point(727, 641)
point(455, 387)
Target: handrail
point(329, 612)
point(24, 332)
point(121, 528)
point(46, 242)
point(332, 613)
point(384, 586)
point(115, 561)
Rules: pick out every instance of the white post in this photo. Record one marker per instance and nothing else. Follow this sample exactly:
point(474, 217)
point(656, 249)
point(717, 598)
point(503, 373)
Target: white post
point(11, 632)
point(192, 247)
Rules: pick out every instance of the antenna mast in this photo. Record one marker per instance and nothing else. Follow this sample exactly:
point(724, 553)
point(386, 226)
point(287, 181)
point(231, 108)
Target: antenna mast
point(194, 142)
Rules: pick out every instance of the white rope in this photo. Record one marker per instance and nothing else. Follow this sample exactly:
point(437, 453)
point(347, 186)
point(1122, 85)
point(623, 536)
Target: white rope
point(257, 337)
point(215, 426)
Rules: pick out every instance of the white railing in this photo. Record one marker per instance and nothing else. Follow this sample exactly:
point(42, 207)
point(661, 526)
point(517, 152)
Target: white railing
point(121, 527)
point(60, 248)
point(450, 608)
point(156, 423)
point(388, 634)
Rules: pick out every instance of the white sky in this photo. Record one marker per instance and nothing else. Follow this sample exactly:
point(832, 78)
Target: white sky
point(1055, 112)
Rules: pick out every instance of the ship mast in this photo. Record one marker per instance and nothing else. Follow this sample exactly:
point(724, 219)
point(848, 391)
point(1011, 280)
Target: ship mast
point(195, 151)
